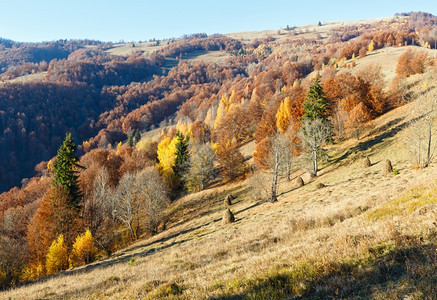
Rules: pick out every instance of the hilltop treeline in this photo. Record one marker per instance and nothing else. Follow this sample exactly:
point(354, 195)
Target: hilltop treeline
point(211, 43)
point(14, 54)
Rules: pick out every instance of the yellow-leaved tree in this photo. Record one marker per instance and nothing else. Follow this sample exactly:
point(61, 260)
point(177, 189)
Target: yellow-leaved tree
point(371, 46)
point(184, 128)
point(57, 257)
point(32, 272)
point(83, 250)
point(222, 109)
point(166, 157)
point(283, 115)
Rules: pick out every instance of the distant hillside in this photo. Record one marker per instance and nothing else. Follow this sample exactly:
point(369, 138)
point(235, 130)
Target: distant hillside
point(115, 67)
point(14, 54)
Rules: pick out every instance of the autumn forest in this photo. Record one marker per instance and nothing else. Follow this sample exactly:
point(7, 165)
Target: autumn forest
point(96, 146)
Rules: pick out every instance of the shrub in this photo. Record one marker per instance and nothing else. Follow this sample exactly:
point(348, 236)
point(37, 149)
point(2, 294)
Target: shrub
point(411, 63)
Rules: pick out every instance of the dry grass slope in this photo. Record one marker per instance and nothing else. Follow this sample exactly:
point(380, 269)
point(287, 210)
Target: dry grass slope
point(363, 235)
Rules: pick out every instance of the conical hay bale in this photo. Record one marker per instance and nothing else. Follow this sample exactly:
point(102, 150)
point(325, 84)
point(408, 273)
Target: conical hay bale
point(228, 217)
point(366, 162)
point(387, 168)
point(320, 185)
point(228, 200)
point(299, 182)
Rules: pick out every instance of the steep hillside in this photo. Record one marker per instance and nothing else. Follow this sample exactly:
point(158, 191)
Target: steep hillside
point(364, 234)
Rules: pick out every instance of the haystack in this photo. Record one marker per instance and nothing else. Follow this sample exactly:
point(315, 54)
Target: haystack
point(387, 168)
point(320, 185)
point(299, 182)
point(366, 162)
point(228, 217)
point(228, 200)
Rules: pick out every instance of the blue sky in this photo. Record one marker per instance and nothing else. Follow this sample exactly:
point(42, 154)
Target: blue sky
point(135, 20)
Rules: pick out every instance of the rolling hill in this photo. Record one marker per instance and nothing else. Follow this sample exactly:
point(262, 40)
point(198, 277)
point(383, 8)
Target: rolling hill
point(353, 231)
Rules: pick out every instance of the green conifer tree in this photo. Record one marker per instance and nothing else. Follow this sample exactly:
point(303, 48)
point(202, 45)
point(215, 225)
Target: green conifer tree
point(137, 136)
point(130, 141)
point(315, 105)
point(65, 171)
point(182, 144)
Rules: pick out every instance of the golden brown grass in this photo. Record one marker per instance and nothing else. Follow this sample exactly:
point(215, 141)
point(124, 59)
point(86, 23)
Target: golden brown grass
point(387, 58)
point(36, 77)
point(127, 49)
point(309, 31)
point(218, 57)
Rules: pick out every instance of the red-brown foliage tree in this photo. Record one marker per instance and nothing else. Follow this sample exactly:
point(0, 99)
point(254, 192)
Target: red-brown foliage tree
point(230, 160)
point(411, 62)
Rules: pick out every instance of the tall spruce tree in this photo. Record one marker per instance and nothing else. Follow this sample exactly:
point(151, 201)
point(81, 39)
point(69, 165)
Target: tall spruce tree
point(65, 169)
point(130, 141)
point(137, 136)
point(182, 144)
point(316, 128)
point(315, 105)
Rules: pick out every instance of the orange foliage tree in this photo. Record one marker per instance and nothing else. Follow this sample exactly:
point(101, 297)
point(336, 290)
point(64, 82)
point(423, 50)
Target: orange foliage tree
point(358, 116)
point(230, 160)
point(54, 216)
point(410, 63)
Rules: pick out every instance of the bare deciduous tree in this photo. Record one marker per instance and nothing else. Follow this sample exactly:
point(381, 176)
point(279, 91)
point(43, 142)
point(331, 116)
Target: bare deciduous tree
point(12, 260)
point(200, 167)
point(259, 184)
point(339, 119)
point(278, 160)
point(422, 139)
point(288, 142)
point(275, 165)
point(153, 196)
point(96, 207)
point(126, 202)
point(140, 199)
point(314, 134)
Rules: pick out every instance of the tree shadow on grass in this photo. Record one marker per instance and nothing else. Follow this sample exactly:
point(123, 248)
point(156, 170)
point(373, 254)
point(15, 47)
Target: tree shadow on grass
point(383, 133)
point(410, 269)
point(136, 252)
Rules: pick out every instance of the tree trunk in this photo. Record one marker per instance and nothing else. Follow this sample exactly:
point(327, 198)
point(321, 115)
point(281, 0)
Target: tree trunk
point(274, 197)
point(288, 171)
point(131, 230)
point(315, 166)
point(428, 151)
point(274, 185)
